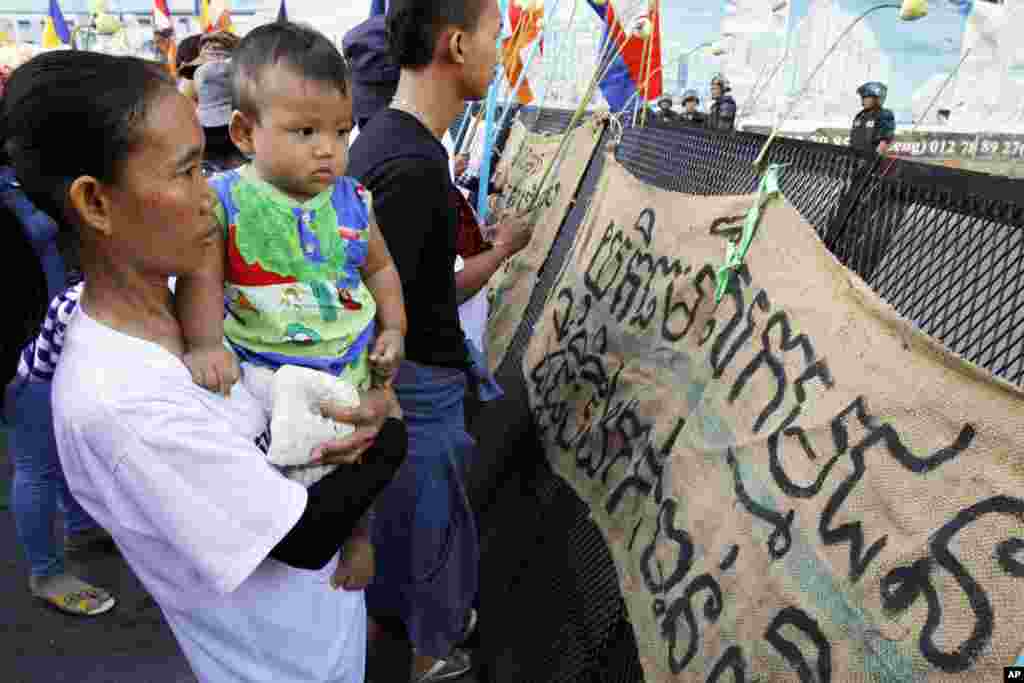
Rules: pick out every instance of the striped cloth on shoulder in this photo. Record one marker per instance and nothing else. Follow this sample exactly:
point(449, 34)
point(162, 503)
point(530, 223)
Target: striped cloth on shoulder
point(39, 359)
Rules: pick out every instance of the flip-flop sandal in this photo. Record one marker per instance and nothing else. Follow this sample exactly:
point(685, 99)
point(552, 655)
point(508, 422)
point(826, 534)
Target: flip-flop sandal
point(89, 602)
point(455, 665)
point(470, 625)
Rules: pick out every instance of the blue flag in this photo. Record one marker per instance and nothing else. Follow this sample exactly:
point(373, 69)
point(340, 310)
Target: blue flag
point(619, 84)
point(60, 26)
point(378, 7)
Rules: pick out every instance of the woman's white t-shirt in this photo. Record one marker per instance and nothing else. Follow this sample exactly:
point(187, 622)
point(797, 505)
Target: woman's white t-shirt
point(176, 474)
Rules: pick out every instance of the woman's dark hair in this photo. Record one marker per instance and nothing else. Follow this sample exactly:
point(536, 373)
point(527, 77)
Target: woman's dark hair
point(64, 114)
point(414, 26)
point(188, 50)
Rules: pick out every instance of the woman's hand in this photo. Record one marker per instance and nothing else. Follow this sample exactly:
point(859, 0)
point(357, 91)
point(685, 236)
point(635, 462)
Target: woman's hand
point(375, 407)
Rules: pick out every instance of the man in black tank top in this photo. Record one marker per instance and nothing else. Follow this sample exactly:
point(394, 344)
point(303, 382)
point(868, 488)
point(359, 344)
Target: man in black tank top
point(446, 51)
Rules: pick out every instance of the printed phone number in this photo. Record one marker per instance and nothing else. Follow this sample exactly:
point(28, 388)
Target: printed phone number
point(1011, 149)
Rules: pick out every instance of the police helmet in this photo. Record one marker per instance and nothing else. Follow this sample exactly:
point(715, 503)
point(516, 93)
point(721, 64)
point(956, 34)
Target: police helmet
point(723, 81)
point(691, 95)
point(665, 98)
point(873, 89)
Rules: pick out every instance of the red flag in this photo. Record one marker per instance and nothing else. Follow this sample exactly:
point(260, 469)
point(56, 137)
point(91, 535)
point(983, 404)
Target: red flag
point(652, 74)
point(628, 73)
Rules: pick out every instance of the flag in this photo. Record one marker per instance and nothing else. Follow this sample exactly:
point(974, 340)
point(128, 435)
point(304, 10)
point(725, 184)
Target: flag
point(215, 15)
point(628, 71)
point(203, 14)
point(56, 33)
point(378, 7)
point(282, 13)
point(525, 23)
point(982, 30)
point(163, 34)
point(516, 11)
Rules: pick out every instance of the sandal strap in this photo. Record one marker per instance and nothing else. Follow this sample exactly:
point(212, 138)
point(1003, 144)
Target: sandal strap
point(86, 601)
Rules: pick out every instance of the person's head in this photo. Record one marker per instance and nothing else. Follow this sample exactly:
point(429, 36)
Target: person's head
point(665, 103)
point(213, 94)
point(213, 82)
point(691, 101)
point(293, 107)
point(107, 147)
point(188, 51)
point(456, 38)
point(943, 115)
point(374, 70)
point(872, 95)
point(719, 86)
point(213, 47)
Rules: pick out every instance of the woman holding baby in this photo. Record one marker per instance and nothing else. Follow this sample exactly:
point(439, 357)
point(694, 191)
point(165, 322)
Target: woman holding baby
point(241, 560)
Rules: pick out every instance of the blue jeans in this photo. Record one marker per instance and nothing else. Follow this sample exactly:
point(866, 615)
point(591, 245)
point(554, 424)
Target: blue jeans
point(39, 487)
point(424, 532)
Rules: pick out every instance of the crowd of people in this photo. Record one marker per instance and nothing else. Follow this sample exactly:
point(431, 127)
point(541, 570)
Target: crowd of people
point(721, 115)
point(195, 238)
point(280, 205)
point(873, 129)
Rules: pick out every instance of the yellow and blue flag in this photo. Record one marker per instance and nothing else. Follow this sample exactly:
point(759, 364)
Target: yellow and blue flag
point(56, 33)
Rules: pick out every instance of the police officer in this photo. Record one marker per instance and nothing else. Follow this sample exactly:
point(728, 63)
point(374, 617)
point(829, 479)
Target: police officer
point(722, 115)
point(665, 114)
point(691, 116)
point(874, 127)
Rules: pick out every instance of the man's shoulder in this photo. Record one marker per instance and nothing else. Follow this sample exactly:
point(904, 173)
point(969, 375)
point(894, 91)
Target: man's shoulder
point(391, 136)
point(378, 152)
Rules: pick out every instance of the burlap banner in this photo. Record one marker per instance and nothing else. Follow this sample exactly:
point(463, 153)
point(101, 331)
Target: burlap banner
point(795, 484)
point(512, 286)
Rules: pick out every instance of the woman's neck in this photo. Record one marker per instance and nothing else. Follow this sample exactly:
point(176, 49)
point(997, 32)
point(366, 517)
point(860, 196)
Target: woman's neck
point(137, 304)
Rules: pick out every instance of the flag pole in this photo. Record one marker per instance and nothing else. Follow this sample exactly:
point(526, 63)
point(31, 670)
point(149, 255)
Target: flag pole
point(526, 67)
point(485, 161)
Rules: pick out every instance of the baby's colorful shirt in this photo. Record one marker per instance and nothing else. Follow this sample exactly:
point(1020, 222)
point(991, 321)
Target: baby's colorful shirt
point(293, 293)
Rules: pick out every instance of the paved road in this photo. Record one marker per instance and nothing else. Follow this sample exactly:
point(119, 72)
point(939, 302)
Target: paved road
point(131, 643)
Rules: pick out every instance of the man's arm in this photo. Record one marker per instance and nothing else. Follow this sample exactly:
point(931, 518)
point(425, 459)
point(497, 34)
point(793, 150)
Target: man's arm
point(510, 237)
point(477, 272)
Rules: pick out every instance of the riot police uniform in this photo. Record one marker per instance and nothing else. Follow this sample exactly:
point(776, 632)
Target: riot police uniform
point(692, 118)
point(665, 115)
point(874, 125)
point(722, 114)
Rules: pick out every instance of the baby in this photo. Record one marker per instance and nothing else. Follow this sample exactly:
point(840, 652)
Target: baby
point(303, 273)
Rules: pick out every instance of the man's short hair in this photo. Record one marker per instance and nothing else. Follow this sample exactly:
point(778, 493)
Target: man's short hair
point(303, 49)
point(414, 26)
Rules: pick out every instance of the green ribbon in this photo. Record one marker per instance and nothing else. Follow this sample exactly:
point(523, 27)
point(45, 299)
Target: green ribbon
point(735, 252)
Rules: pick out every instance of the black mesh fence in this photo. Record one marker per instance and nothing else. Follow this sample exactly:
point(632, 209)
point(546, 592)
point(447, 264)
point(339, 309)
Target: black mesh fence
point(944, 247)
